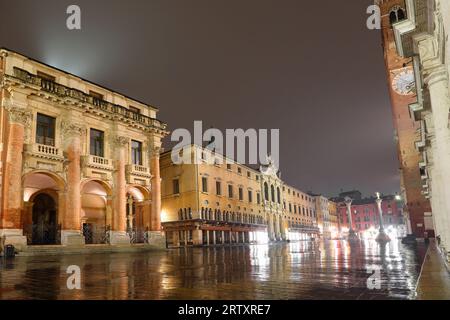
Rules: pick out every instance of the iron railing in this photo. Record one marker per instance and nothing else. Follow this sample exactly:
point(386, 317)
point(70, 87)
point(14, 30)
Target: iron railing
point(42, 234)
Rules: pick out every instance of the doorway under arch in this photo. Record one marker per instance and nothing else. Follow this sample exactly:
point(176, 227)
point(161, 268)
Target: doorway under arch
point(41, 220)
point(95, 211)
point(137, 213)
point(44, 220)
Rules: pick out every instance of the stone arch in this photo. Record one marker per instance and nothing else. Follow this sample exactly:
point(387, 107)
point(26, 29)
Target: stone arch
point(36, 180)
point(37, 185)
point(96, 210)
point(138, 212)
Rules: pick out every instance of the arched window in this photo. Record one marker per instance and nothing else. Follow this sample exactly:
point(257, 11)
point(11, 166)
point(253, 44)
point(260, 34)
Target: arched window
point(396, 14)
point(279, 195)
point(266, 191)
point(272, 191)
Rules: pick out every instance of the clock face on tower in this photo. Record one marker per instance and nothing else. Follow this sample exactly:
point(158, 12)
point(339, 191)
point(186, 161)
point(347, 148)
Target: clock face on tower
point(404, 82)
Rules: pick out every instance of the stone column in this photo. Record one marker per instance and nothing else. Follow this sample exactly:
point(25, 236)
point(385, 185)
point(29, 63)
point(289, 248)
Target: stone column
point(70, 223)
point(156, 192)
point(382, 236)
point(155, 235)
point(11, 231)
point(437, 82)
point(351, 232)
point(118, 233)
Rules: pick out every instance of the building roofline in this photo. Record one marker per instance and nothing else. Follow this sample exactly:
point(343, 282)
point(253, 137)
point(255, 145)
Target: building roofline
point(235, 162)
point(76, 76)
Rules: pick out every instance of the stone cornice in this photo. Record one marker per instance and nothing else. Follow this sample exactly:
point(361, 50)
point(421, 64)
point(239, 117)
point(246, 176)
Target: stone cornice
point(72, 97)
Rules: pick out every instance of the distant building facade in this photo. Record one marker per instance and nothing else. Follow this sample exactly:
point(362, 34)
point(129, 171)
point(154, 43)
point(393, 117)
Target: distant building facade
point(365, 216)
point(219, 201)
point(323, 215)
point(334, 219)
point(79, 163)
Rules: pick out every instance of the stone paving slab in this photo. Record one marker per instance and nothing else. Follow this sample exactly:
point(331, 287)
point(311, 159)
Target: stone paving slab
point(434, 279)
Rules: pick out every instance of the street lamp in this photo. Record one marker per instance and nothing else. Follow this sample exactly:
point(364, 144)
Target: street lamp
point(382, 236)
point(351, 233)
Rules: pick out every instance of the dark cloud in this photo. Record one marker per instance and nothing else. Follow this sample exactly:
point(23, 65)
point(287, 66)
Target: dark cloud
point(310, 68)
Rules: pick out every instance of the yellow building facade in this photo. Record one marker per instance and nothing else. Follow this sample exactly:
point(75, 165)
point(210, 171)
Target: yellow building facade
point(219, 201)
point(334, 219)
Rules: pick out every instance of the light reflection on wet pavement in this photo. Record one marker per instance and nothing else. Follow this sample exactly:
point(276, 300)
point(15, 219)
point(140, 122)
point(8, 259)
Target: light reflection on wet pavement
point(301, 270)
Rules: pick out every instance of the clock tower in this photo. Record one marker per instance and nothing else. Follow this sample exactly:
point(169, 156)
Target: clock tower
point(400, 75)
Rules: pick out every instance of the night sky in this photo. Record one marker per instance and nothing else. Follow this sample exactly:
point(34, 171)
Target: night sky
point(310, 68)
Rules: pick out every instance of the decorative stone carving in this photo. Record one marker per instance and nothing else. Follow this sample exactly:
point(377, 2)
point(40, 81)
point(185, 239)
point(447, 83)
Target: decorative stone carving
point(121, 141)
point(270, 168)
point(72, 129)
point(19, 115)
point(155, 150)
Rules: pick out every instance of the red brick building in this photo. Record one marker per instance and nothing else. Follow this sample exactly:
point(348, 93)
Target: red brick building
point(365, 214)
point(400, 76)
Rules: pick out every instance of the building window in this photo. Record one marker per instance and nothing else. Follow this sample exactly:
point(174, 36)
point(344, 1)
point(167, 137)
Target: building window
point(176, 186)
point(266, 191)
point(290, 207)
point(257, 178)
point(278, 195)
point(250, 196)
point(239, 171)
point(249, 175)
point(258, 198)
point(45, 76)
point(230, 191)
point(241, 194)
point(204, 184)
point(97, 143)
point(135, 110)
point(272, 192)
point(218, 188)
point(228, 166)
point(136, 152)
point(45, 130)
point(97, 98)
point(397, 14)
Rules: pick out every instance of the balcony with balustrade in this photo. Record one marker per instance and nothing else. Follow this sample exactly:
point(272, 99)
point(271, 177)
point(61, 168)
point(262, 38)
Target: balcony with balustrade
point(137, 174)
point(97, 167)
point(43, 157)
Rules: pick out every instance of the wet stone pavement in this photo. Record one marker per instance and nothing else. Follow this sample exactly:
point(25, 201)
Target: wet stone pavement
point(301, 270)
